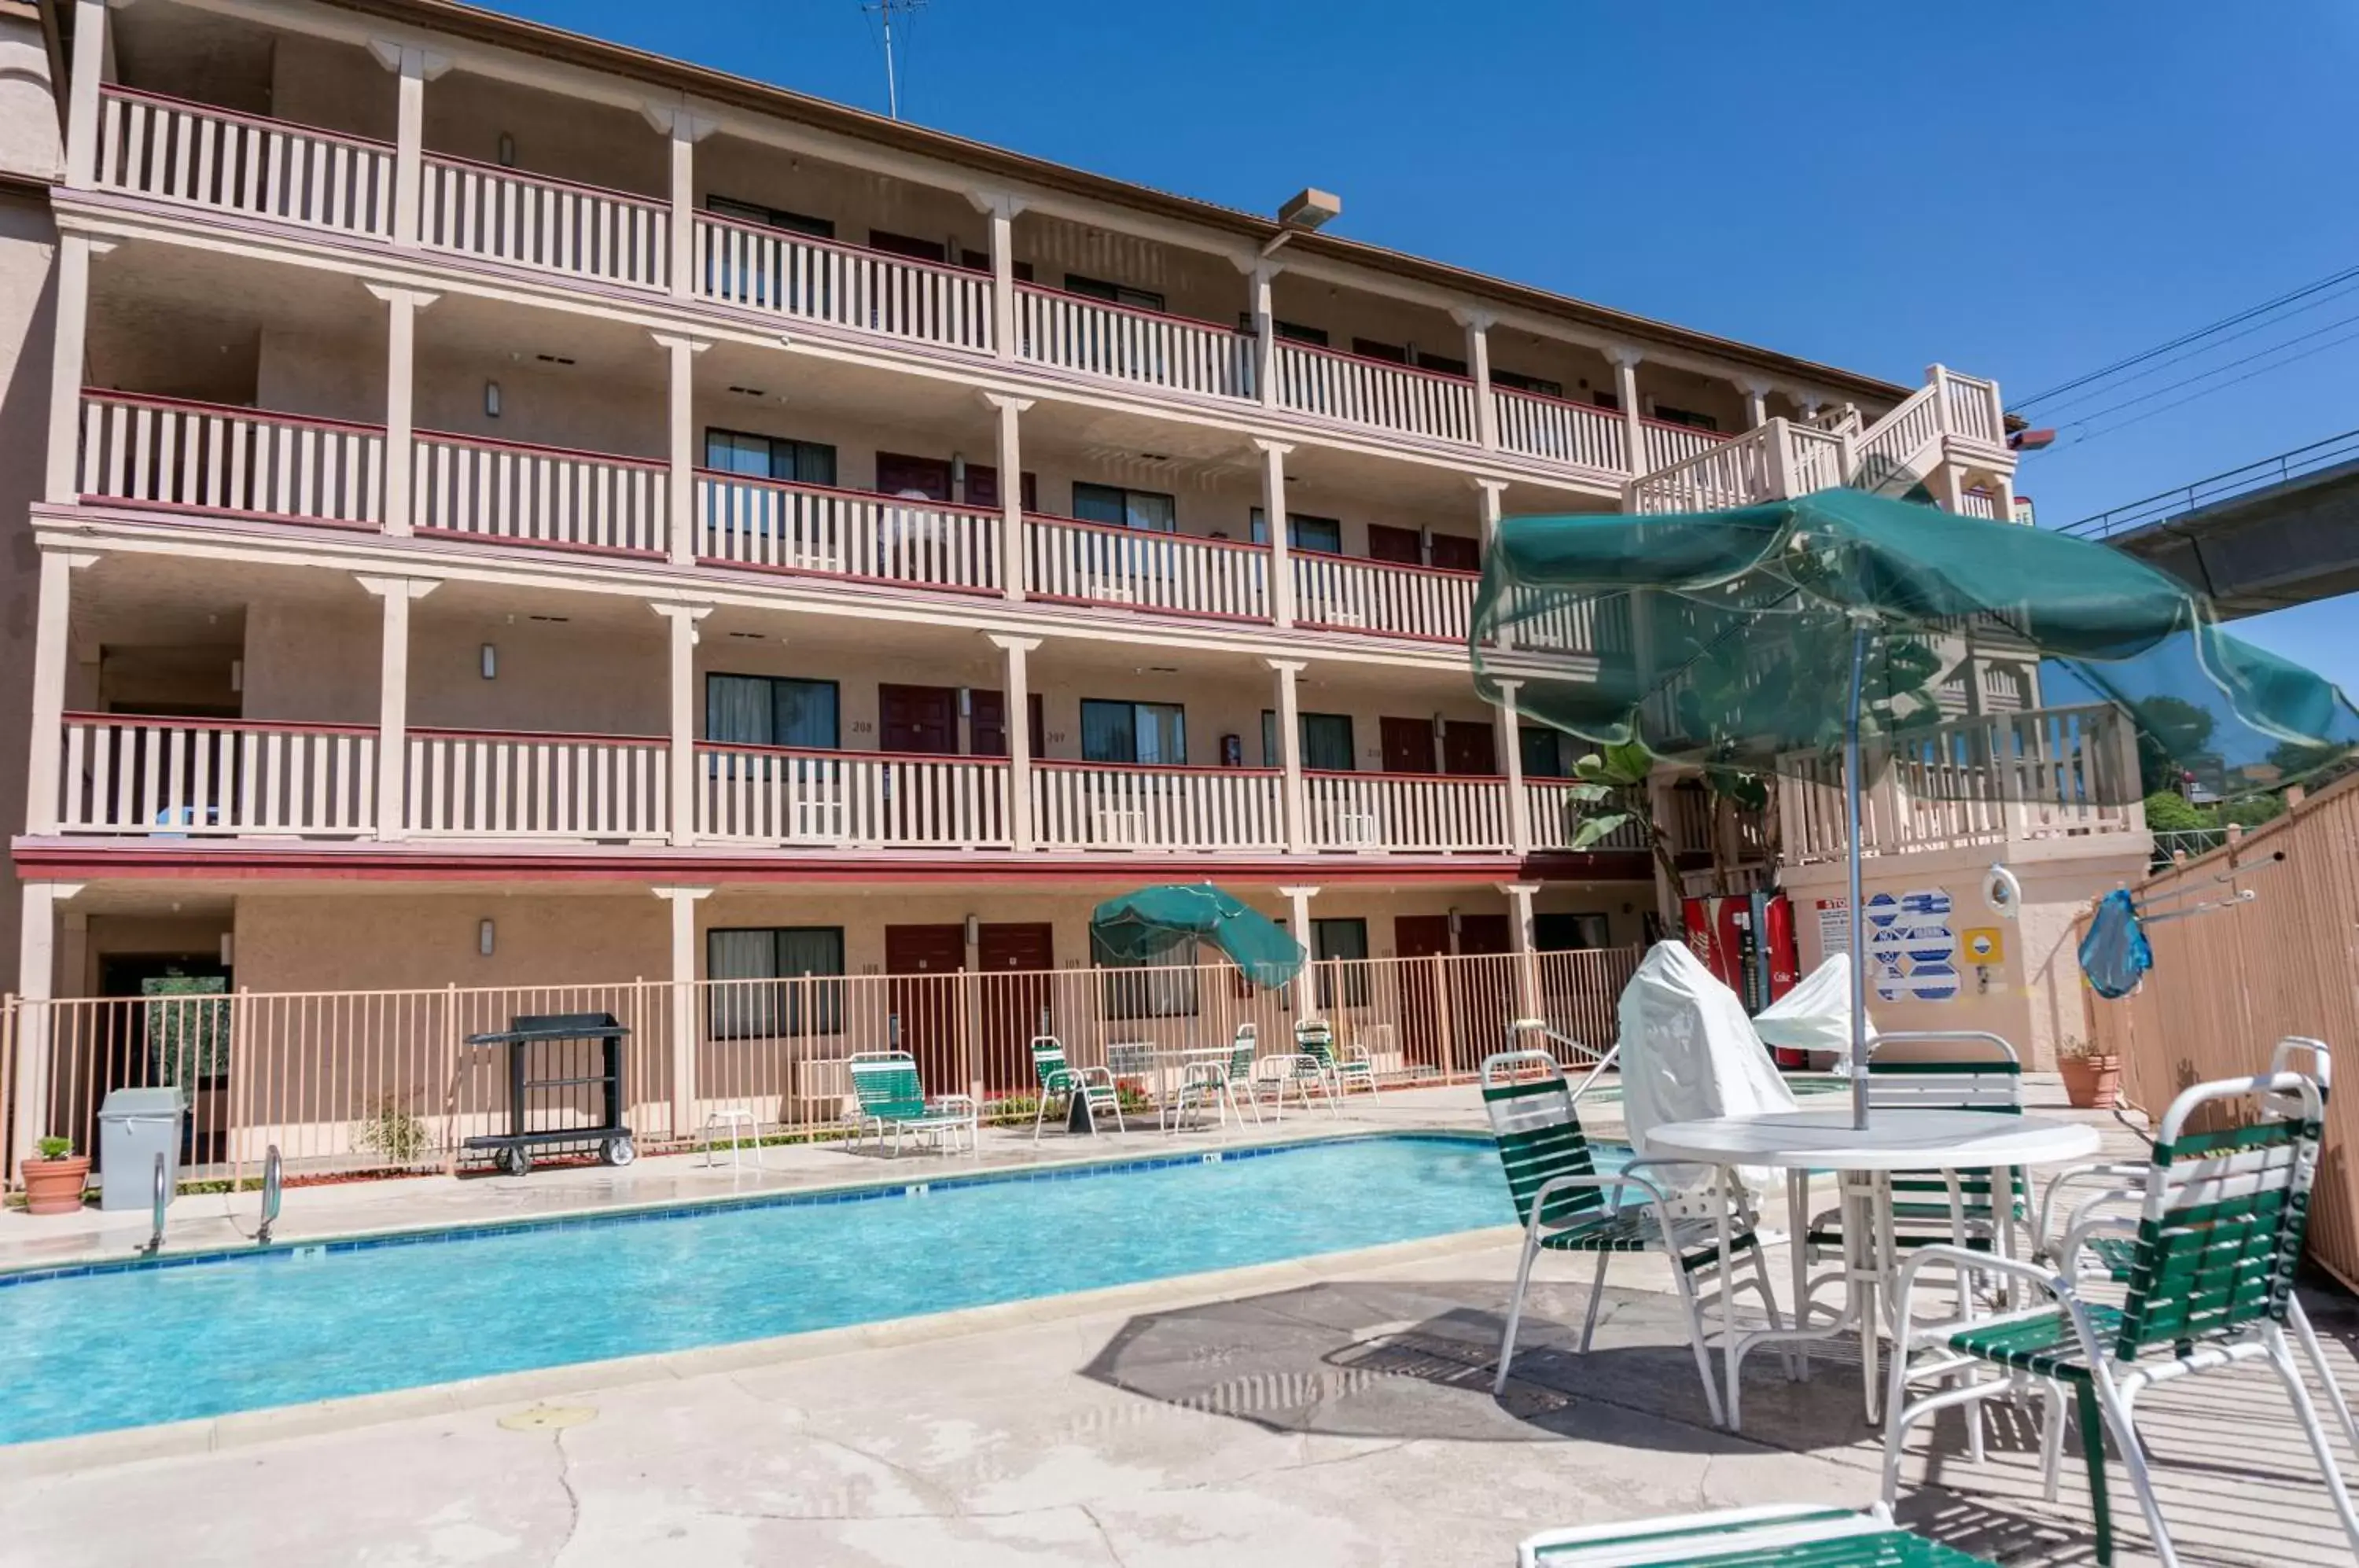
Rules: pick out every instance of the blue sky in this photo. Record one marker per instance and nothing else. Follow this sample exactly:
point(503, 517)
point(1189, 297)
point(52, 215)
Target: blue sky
point(2024, 192)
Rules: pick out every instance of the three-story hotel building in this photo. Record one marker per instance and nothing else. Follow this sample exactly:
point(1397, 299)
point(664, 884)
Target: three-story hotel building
point(520, 510)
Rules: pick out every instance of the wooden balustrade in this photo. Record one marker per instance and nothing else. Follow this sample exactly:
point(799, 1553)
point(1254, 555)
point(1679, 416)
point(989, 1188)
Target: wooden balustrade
point(539, 495)
point(1124, 343)
point(772, 795)
point(1383, 597)
point(1374, 392)
point(1666, 444)
point(483, 784)
point(161, 451)
point(1710, 478)
point(174, 778)
point(779, 527)
point(1419, 812)
point(1561, 431)
point(1889, 452)
point(152, 145)
point(1972, 408)
point(815, 280)
point(1095, 563)
point(502, 214)
point(1556, 817)
point(1085, 805)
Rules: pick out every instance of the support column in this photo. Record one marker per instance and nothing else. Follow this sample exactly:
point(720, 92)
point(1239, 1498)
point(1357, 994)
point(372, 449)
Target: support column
point(1487, 510)
point(52, 617)
point(413, 67)
point(1667, 901)
point(1305, 988)
point(681, 688)
point(1289, 750)
point(74, 253)
point(1478, 325)
point(1511, 745)
point(1001, 209)
point(1626, 389)
point(1757, 400)
point(1011, 492)
point(393, 699)
point(1519, 940)
point(1273, 511)
point(681, 503)
point(1018, 726)
point(685, 128)
point(37, 957)
point(683, 902)
point(82, 94)
point(1264, 335)
point(401, 308)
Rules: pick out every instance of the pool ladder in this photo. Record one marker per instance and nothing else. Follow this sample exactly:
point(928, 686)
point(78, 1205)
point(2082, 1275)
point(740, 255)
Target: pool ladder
point(1561, 1045)
point(155, 1242)
point(270, 1194)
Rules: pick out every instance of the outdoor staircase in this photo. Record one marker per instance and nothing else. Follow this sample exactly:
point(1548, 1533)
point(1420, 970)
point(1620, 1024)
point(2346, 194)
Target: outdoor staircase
point(1952, 420)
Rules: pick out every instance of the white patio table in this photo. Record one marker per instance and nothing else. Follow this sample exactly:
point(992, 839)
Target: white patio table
point(1160, 1070)
point(1863, 1163)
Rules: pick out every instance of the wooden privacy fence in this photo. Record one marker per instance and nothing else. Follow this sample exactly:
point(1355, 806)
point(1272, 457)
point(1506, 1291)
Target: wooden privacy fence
point(2229, 982)
point(384, 1081)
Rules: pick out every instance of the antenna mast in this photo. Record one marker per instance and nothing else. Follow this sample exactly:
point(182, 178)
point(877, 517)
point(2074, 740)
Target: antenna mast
point(884, 9)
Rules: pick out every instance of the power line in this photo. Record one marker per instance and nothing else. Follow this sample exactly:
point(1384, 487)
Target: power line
point(2264, 370)
point(2161, 366)
point(2238, 319)
point(2206, 374)
point(884, 10)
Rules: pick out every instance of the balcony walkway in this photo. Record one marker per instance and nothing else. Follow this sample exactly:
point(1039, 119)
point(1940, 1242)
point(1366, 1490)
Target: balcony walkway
point(1346, 1418)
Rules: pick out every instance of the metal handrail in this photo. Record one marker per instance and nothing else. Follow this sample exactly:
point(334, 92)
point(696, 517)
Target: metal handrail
point(1539, 1027)
point(155, 1242)
point(271, 1191)
point(2176, 502)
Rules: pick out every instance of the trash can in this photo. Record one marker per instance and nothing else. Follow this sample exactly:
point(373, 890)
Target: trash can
point(135, 1126)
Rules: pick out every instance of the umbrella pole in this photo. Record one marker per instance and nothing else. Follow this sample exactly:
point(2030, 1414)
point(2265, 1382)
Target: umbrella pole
point(1858, 916)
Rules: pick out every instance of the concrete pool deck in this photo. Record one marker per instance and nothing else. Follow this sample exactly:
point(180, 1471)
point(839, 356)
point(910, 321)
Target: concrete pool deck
point(1327, 1410)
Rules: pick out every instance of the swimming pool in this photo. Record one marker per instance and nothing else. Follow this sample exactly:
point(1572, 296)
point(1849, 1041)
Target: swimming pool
point(111, 1347)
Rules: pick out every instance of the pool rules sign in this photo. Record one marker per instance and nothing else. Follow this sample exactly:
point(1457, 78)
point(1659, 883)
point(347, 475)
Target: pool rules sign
point(1912, 951)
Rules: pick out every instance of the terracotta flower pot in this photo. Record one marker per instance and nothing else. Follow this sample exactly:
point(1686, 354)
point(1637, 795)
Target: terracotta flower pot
point(55, 1186)
point(2091, 1082)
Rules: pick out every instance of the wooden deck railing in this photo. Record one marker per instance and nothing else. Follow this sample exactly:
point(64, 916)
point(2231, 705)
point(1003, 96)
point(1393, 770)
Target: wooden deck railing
point(1561, 431)
point(1406, 812)
point(162, 147)
point(773, 795)
point(164, 452)
point(510, 492)
point(1346, 592)
point(771, 525)
point(802, 276)
point(1090, 805)
point(173, 778)
point(1171, 573)
point(1374, 392)
point(497, 785)
point(1123, 342)
point(556, 225)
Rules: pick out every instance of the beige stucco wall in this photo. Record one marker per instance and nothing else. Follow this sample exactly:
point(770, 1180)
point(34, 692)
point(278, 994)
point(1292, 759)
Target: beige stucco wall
point(2033, 998)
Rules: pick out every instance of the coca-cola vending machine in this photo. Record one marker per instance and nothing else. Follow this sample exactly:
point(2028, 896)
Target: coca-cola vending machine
point(1746, 940)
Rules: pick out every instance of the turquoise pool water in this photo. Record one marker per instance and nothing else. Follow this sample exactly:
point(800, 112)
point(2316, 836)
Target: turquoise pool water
point(87, 1351)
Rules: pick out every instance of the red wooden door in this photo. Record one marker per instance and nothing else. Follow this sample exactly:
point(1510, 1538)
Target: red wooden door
point(1421, 938)
point(920, 719)
point(1409, 745)
point(899, 474)
point(987, 724)
point(1482, 992)
point(1013, 963)
point(982, 487)
point(1469, 747)
point(1457, 552)
point(1400, 546)
point(929, 1003)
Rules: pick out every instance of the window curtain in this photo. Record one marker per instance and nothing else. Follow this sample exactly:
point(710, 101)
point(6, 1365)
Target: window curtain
point(738, 711)
point(1164, 989)
point(1161, 734)
point(1109, 731)
point(1327, 742)
point(742, 1011)
point(804, 714)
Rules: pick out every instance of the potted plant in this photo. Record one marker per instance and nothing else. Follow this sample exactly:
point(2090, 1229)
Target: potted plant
point(2092, 1076)
point(53, 1182)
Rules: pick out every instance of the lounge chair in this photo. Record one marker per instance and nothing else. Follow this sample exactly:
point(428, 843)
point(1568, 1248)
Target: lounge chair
point(2209, 1278)
point(1566, 1204)
point(1058, 1080)
point(1777, 1533)
point(893, 1098)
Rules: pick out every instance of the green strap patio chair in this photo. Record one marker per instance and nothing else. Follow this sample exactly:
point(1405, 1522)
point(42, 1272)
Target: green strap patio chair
point(1566, 1204)
point(1779, 1535)
point(1312, 1065)
point(892, 1098)
point(1058, 1080)
point(1216, 1084)
point(2208, 1284)
point(1356, 1068)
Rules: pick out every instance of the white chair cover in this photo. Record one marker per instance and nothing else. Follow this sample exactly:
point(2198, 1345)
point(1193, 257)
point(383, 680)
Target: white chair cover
point(1688, 1052)
point(1815, 1015)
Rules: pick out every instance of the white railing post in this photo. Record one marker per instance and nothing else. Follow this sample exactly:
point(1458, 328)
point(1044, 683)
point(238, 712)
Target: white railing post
point(1626, 389)
point(680, 688)
point(1289, 750)
point(392, 699)
point(402, 306)
point(82, 94)
point(1777, 461)
point(1520, 941)
point(682, 351)
point(1937, 376)
point(1520, 808)
point(413, 67)
point(1011, 491)
point(1488, 505)
point(1478, 324)
point(1273, 511)
point(37, 959)
point(52, 617)
point(1757, 400)
point(1016, 705)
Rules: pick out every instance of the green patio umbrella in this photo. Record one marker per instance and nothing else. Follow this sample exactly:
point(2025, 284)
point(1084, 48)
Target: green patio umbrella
point(1153, 922)
point(1779, 635)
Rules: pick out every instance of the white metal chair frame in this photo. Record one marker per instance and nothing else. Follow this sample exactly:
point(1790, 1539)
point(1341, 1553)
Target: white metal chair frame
point(1214, 1084)
point(732, 1118)
point(2117, 1383)
point(1094, 1084)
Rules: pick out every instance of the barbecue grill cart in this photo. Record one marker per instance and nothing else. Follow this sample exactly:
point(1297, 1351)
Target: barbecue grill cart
point(578, 1057)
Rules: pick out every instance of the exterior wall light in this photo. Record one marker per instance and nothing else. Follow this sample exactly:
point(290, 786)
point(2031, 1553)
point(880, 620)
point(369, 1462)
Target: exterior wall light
point(491, 399)
point(484, 938)
point(491, 662)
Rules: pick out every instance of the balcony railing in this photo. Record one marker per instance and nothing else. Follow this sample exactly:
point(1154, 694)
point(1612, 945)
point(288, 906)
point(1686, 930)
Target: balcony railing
point(1374, 392)
point(1412, 811)
point(1124, 343)
point(513, 494)
point(1393, 600)
point(209, 779)
point(1172, 574)
point(1088, 805)
point(814, 279)
point(528, 219)
point(1556, 818)
point(161, 451)
point(162, 147)
point(1561, 431)
point(1667, 444)
point(773, 525)
point(486, 784)
point(775, 796)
